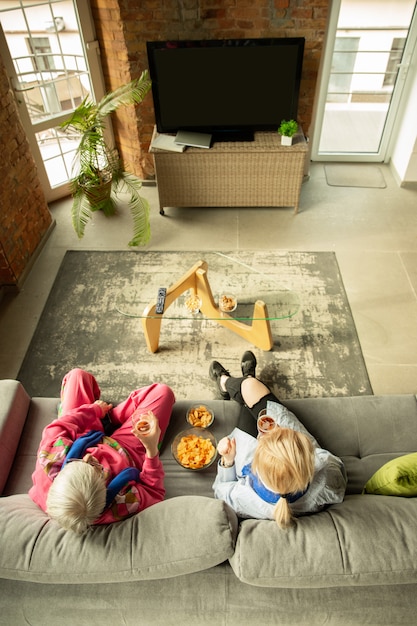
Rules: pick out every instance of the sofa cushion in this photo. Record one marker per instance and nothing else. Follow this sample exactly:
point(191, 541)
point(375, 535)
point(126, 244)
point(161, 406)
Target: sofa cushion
point(14, 405)
point(180, 481)
point(179, 536)
point(362, 541)
point(365, 431)
point(396, 478)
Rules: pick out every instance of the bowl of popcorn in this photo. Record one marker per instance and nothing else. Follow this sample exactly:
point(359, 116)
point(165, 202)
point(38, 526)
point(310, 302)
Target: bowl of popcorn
point(227, 302)
point(194, 449)
point(193, 304)
point(200, 415)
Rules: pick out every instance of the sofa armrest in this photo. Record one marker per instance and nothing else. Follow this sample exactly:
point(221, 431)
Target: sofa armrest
point(14, 406)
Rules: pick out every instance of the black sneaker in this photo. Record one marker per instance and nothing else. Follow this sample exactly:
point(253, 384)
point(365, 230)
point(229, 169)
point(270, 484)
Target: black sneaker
point(215, 372)
point(248, 364)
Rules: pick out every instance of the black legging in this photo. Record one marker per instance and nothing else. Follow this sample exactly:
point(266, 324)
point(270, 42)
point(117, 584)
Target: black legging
point(248, 415)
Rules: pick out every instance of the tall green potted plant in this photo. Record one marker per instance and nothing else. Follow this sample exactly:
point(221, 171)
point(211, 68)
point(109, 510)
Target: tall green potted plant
point(99, 175)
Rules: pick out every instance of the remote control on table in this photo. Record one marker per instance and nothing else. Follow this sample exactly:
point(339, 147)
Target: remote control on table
point(160, 302)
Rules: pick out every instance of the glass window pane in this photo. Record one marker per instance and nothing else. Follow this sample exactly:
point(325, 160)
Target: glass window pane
point(52, 76)
point(56, 171)
point(368, 49)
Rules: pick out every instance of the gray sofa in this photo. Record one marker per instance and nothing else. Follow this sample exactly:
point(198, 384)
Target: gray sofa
point(189, 560)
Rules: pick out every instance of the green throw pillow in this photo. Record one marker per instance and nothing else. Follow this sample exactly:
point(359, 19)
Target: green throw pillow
point(396, 478)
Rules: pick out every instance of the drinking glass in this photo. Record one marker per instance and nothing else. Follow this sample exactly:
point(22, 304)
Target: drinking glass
point(227, 303)
point(142, 422)
point(265, 422)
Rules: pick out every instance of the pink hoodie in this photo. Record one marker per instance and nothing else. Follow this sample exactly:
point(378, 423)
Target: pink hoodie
point(115, 453)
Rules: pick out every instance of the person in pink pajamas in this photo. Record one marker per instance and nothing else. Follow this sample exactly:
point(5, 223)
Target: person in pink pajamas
point(85, 477)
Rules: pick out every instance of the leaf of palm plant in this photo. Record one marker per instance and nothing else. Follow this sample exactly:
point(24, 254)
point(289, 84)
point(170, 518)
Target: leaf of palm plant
point(92, 147)
point(131, 93)
point(80, 212)
point(139, 209)
point(81, 119)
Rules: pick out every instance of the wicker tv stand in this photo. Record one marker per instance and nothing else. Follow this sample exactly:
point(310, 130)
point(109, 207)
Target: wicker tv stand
point(259, 173)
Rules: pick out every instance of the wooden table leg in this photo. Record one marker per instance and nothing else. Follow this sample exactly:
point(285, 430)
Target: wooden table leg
point(152, 329)
point(151, 321)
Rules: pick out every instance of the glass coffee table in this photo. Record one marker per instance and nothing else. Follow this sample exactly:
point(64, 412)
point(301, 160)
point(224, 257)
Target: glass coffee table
point(251, 298)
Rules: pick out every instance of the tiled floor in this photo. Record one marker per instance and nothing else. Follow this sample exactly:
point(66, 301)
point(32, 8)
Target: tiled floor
point(372, 231)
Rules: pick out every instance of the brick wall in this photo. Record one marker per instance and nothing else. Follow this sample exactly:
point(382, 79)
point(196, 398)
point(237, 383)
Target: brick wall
point(124, 26)
point(24, 217)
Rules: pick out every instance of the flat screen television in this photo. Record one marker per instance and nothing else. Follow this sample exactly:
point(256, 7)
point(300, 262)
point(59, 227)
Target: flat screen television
point(224, 87)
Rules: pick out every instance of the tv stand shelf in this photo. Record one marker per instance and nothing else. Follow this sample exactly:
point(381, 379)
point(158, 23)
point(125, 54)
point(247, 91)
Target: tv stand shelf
point(259, 173)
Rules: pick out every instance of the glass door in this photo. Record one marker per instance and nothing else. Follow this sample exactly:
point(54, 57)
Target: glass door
point(52, 59)
point(366, 61)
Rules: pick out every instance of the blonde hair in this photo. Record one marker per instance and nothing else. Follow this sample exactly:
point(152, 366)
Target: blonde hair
point(77, 497)
point(284, 462)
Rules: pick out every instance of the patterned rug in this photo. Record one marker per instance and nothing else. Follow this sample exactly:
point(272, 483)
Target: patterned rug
point(315, 353)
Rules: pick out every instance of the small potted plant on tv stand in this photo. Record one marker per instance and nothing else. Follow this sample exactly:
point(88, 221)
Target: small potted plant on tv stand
point(100, 174)
point(287, 130)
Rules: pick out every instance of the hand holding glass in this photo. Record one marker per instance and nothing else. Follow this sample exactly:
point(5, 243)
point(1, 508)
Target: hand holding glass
point(143, 423)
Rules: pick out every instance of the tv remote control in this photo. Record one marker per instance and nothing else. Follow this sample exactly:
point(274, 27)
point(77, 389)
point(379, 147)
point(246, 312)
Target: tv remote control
point(160, 302)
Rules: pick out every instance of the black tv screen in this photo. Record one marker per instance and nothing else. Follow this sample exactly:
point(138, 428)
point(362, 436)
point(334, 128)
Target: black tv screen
point(221, 86)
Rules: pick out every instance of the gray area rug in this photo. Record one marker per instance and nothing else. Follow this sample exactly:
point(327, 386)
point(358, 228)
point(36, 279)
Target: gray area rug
point(315, 353)
point(354, 175)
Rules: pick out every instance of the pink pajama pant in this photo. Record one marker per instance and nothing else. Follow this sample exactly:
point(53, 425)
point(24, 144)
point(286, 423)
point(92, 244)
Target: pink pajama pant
point(80, 387)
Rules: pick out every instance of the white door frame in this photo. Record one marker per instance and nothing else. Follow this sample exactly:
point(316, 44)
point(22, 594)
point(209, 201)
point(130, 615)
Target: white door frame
point(388, 138)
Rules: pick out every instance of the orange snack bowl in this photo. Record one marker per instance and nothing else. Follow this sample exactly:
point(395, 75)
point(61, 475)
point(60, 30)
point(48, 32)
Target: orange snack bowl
point(194, 449)
point(200, 416)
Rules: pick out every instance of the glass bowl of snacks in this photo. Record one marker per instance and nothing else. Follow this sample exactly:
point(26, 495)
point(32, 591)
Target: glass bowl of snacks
point(193, 304)
point(194, 449)
point(227, 302)
point(200, 415)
